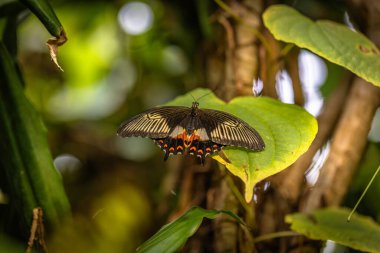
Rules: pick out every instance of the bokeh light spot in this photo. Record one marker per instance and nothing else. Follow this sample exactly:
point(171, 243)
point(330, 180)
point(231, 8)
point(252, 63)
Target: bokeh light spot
point(3, 198)
point(313, 73)
point(135, 18)
point(135, 149)
point(257, 87)
point(175, 60)
point(374, 133)
point(284, 87)
point(67, 163)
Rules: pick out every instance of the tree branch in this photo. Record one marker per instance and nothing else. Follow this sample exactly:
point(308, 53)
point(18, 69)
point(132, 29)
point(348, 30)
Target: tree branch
point(290, 182)
point(347, 147)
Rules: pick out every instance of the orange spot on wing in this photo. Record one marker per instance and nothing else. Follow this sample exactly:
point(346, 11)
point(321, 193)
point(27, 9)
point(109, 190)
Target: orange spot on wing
point(200, 151)
point(187, 140)
point(171, 149)
point(179, 147)
point(166, 145)
point(208, 149)
point(160, 141)
point(193, 148)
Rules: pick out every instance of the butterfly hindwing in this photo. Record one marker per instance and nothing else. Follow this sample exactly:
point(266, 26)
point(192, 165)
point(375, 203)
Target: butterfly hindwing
point(175, 146)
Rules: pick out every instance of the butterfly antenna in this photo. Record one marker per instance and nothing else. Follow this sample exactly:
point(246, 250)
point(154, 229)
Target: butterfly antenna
point(193, 97)
point(204, 95)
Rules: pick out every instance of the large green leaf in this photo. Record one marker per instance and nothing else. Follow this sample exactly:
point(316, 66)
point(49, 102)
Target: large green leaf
point(27, 168)
point(287, 130)
point(45, 13)
point(173, 236)
point(335, 42)
point(361, 233)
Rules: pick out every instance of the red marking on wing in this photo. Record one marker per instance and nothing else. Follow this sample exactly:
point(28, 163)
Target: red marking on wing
point(187, 140)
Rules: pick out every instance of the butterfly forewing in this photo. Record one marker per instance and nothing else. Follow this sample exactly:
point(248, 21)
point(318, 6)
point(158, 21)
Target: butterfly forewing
point(227, 129)
point(154, 123)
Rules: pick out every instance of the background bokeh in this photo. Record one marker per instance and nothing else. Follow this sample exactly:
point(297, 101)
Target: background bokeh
point(121, 58)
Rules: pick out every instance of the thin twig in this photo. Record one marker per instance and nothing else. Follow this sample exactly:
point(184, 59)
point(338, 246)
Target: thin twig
point(37, 231)
point(364, 192)
point(275, 235)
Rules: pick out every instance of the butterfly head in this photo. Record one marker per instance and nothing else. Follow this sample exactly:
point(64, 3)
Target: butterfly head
point(194, 108)
point(195, 104)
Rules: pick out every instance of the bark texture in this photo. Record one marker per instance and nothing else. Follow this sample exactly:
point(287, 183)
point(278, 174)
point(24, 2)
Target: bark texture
point(347, 147)
point(232, 68)
point(350, 136)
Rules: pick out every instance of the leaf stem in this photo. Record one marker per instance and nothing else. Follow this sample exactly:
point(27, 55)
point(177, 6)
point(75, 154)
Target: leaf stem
point(237, 194)
point(365, 191)
point(285, 50)
point(275, 235)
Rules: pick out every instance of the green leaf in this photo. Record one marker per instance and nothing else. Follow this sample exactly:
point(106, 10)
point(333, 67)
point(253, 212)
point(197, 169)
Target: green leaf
point(335, 42)
point(30, 176)
point(361, 233)
point(287, 130)
point(173, 236)
point(45, 13)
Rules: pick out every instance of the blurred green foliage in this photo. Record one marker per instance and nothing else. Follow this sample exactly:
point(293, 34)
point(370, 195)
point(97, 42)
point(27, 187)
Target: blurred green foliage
point(108, 76)
point(115, 186)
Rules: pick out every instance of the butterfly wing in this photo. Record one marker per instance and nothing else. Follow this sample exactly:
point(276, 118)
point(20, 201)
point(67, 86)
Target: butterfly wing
point(226, 129)
point(154, 123)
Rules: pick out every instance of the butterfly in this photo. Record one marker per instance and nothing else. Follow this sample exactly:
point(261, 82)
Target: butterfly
point(200, 132)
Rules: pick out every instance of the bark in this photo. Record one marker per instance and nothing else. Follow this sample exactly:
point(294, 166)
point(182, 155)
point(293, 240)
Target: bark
point(347, 147)
point(293, 70)
point(270, 65)
point(225, 231)
point(290, 182)
point(350, 137)
point(232, 68)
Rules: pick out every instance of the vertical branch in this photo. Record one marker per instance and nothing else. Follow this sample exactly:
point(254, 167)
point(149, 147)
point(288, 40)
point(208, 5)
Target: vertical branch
point(347, 147)
point(233, 67)
point(245, 55)
point(293, 70)
point(270, 65)
point(290, 182)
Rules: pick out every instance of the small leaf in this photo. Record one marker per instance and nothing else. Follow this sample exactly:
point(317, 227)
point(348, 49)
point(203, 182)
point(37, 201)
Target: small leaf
point(53, 44)
point(173, 236)
point(361, 233)
point(335, 42)
point(287, 130)
point(45, 13)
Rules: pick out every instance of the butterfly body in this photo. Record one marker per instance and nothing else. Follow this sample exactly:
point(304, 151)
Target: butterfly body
point(200, 132)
